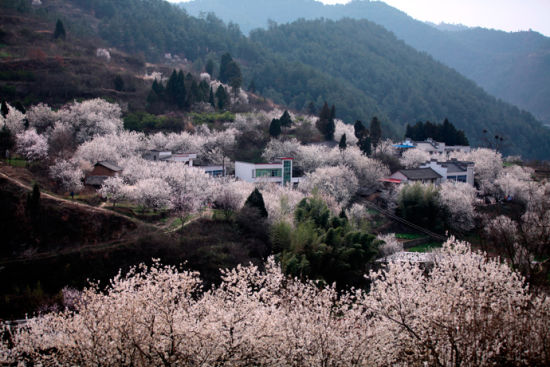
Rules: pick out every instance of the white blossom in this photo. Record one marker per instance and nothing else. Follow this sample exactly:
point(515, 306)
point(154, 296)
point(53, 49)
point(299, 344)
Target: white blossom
point(32, 146)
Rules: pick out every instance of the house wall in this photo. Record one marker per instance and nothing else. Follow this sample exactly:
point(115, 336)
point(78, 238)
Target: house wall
point(102, 171)
point(247, 172)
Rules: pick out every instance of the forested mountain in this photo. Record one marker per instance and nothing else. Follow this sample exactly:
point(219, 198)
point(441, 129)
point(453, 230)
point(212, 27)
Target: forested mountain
point(512, 66)
point(404, 84)
point(356, 65)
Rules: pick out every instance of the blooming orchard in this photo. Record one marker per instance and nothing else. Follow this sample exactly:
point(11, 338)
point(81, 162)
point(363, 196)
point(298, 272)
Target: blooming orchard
point(469, 310)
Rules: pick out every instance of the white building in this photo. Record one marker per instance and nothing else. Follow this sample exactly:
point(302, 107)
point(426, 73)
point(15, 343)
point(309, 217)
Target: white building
point(431, 146)
point(168, 156)
point(279, 171)
point(452, 170)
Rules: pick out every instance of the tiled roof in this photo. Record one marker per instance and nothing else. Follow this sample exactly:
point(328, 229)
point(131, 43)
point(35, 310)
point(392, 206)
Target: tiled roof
point(109, 165)
point(420, 174)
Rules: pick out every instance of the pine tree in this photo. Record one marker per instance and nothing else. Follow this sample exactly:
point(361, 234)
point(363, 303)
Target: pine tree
point(59, 30)
point(256, 200)
point(325, 123)
point(285, 119)
point(275, 128)
point(204, 88)
point(19, 107)
point(375, 132)
point(311, 109)
point(222, 97)
point(359, 129)
point(211, 98)
point(4, 109)
point(119, 83)
point(252, 86)
point(194, 93)
point(210, 67)
point(171, 87)
point(33, 203)
point(224, 64)
point(365, 145)
point(7, 141)
point(343, 144)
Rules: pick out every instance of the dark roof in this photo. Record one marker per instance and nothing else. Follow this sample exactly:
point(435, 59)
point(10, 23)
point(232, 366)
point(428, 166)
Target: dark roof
point(109, 165)
point(95, 180)
point(420, 174)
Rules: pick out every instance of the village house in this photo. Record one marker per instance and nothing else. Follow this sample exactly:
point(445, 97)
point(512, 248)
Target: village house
point(452, 170)
point(431, 146)
point(100, 172)
point(279, 172)
point(168, 156)
point(436, 173)
point(423, 175)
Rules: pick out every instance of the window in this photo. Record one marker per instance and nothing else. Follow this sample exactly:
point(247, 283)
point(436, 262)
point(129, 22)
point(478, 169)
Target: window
point(268, 172)
point(461, 179)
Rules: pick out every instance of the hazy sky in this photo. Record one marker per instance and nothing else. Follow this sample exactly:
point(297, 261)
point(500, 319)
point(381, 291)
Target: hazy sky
point(508, 15)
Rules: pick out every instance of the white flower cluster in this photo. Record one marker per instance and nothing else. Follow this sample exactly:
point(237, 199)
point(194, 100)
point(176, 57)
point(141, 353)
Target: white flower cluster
point(470, 310)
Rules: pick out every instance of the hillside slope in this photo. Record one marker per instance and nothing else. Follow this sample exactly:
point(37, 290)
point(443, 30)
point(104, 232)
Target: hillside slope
point(407, 86)
point(381, 76)
point(512, 66)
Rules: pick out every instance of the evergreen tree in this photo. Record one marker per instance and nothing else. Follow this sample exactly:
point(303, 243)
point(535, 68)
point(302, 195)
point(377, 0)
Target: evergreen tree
point(365, 145)
point(33, 203)
point(224, 65)
point(194, 93)
point(19, 107)
point(275, 128)
point(311, 109)
point(359, 129)
point(119, 83)
point(325, 123)
point(375, 132)
point(286, 120)
point(252, 86)
point(4, 109)
point(181, 92)
point(171, 87)
point(7, 141)
point(204, 88)
point(222, 97)
point(211, 99)
point(256, 200)
point(333, 112)
point(59, 30)
point(343, 144)
point(210, 67)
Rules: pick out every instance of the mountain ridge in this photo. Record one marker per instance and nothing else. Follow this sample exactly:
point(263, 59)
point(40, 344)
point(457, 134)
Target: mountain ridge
point(514, 74)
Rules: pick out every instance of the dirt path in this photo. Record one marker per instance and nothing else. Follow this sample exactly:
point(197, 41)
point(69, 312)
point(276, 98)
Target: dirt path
point(68, 202)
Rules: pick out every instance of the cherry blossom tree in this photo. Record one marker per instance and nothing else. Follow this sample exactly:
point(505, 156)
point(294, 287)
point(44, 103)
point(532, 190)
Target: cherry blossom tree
point(153, 193)
point(412, 158)
point(14, 120)
point(391, 244)
point(41, 117)
point(469, 310)
point(67, 174)
point(339, 182)
point(114, 189)
point(92, 117)
point(32, 146)
point(342, 128)
point(458, 198)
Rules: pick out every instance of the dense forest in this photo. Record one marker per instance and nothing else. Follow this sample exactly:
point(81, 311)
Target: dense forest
point(406, 85)
point(356, 65)
point(510, 66)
